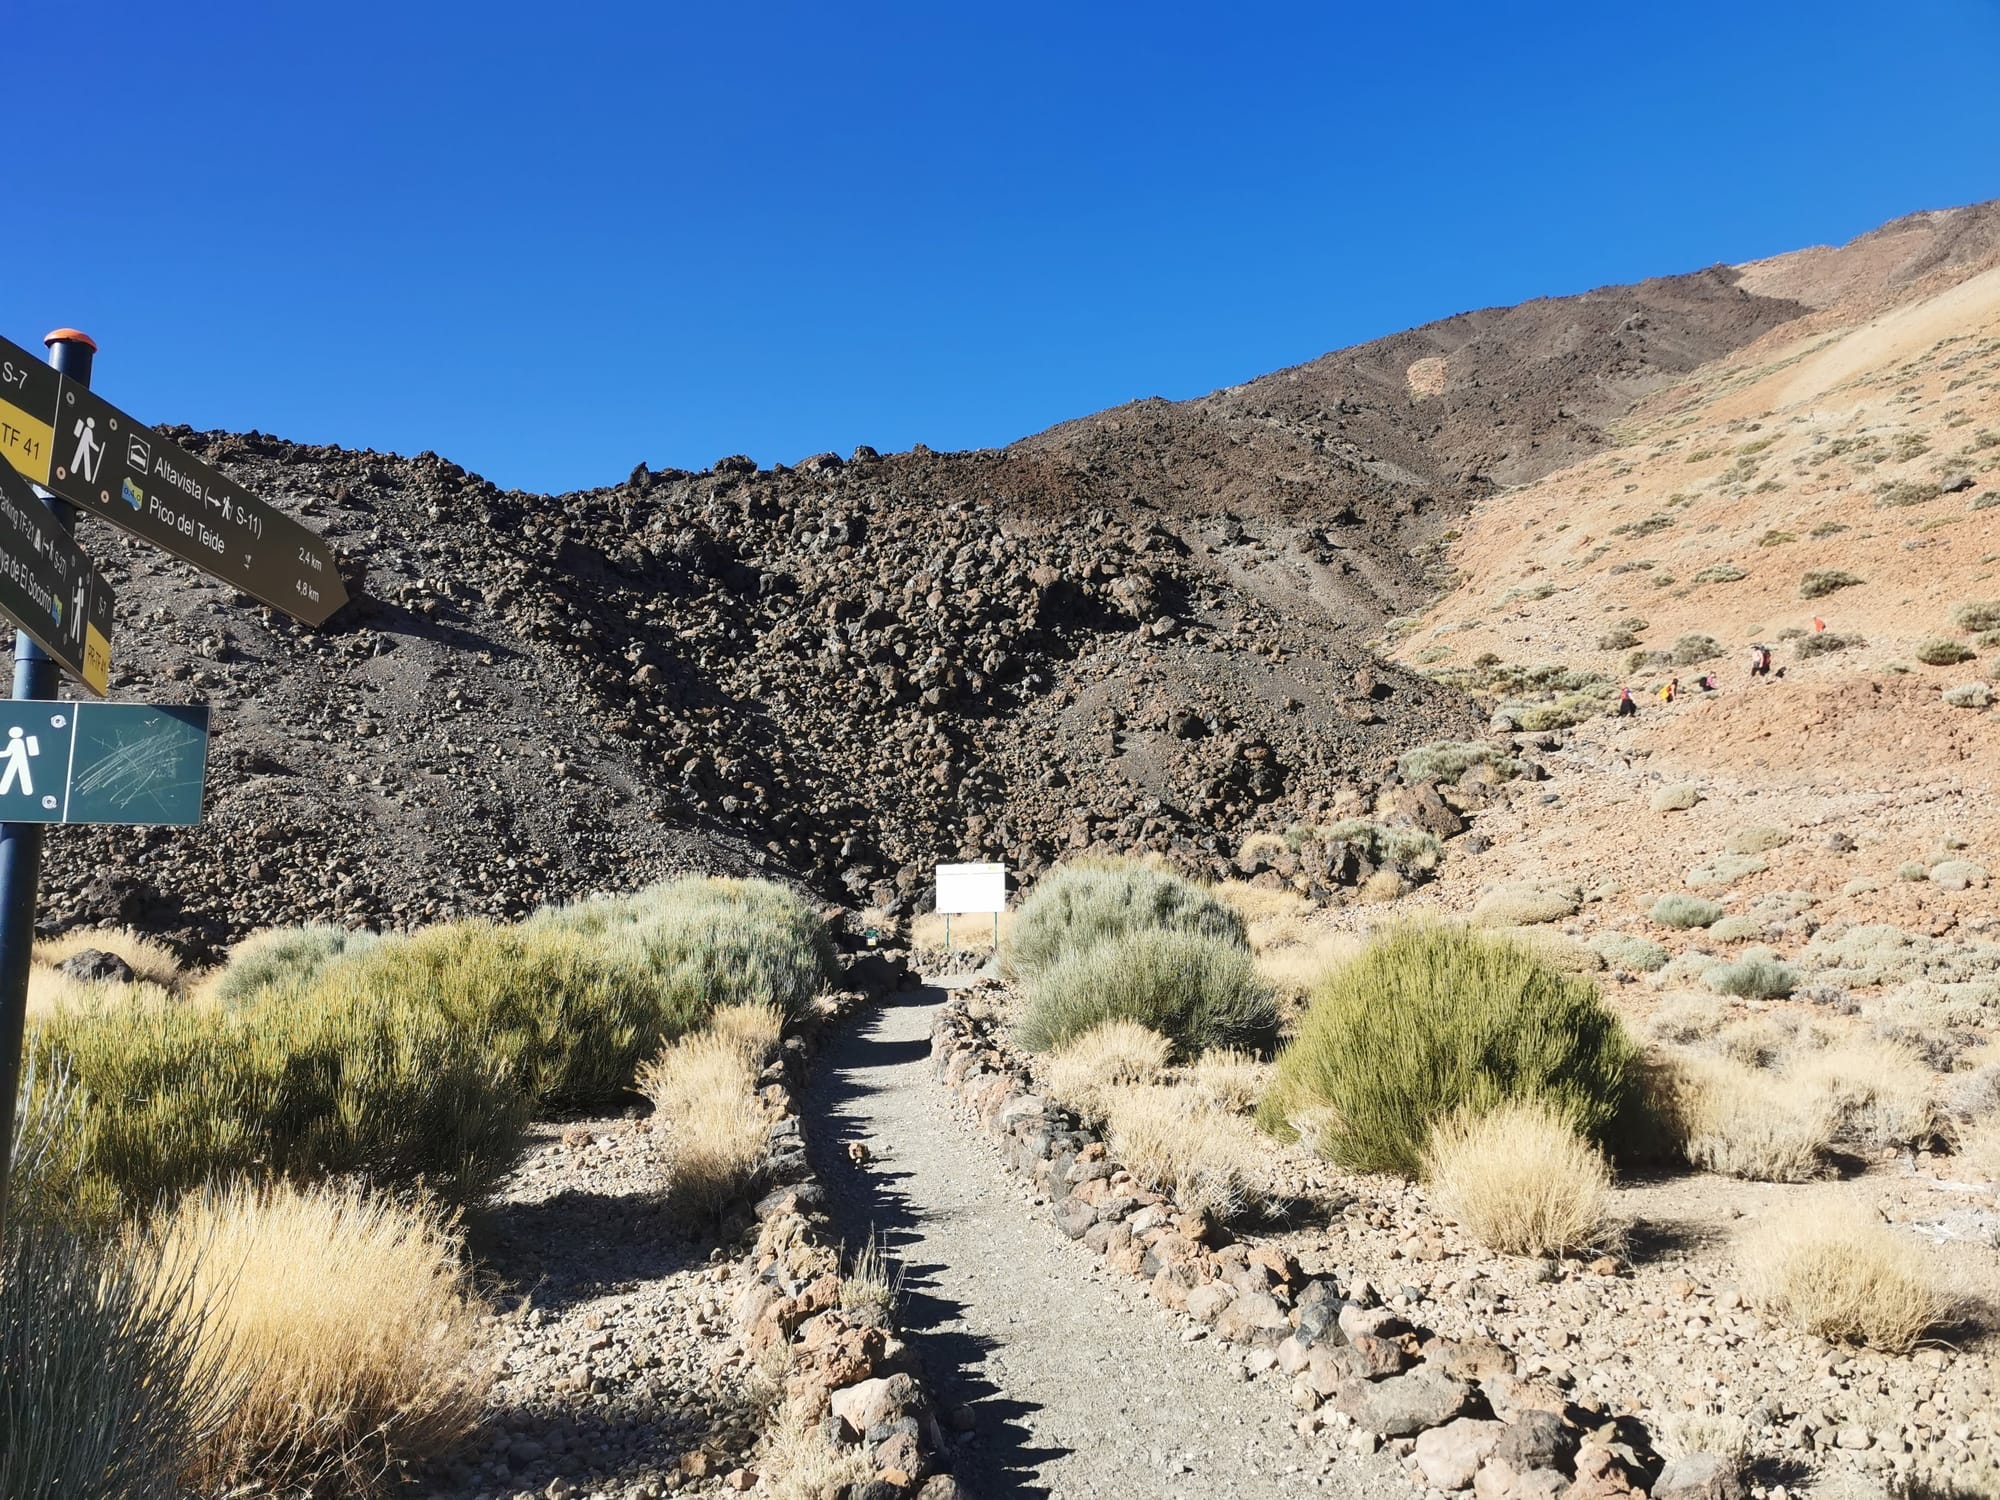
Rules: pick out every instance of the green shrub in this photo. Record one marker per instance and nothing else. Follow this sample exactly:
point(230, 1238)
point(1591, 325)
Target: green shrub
point(708, 942)
point(1676, 910)
point(1721, 573)
point(1692, 649)
point(1758, 840)
point(1524, 903)
point(309, 1082)
point(1755, 975)
point(1431, 1020)
point(1735, 929)
point(1617, 640)
point(1977, 614)
point(1776, 538)
point(1198, 989)
point(1447, 760)
point(1942, 651)
point(285, 955)
point(568, 1021)
point(1823, 581)
point(1409, 851)
point(1825, 642)
point(1725, 870)
point(1624, 950)
point(1079, 905)
point(101, 1388)
point(1564, 713)
point(1906, 492)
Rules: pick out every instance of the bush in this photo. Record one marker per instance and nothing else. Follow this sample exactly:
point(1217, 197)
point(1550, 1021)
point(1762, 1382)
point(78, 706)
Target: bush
point(1758, 840)
point(150, 961)
point(284, 956)
point(1230, 1080)
point(1447, 760)
point(568, 1022)
point(1432, 1020)
point(1519, 1180)
point(1825, 643)
point(1685, 911)
point(1679, 797)
point(1755, 975)
point(1083, 1071)
point(1524, 903)
point(1623, 950)
point(1977, 614)
point(314, 1083)
point(1969, 695)
point(1080, 905)
point(1838, 1274)
point(1740, 1121)
point(343, 1324)
point(1823, 581)
point(703, 1090)
point(1721, 573)
point(709, 942)
point(1617, 640)
point(1565, 712)
point(1942, 651)
point(1726, 870)
point(1881, 1092)
point(1690, 650)
point(101, 1393)
point(1173, 1142)
point(1197, 990)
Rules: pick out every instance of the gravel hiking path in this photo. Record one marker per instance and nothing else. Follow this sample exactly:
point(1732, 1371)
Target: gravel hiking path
point(1066, 1380)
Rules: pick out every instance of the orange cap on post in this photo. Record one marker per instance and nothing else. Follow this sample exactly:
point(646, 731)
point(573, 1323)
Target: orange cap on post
point(70, 336)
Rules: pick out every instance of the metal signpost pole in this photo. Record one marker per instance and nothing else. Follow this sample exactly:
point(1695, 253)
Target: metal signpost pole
point(35, 676)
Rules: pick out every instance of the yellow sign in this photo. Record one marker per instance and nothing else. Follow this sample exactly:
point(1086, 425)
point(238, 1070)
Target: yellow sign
point(96, 660)
point(26, 442)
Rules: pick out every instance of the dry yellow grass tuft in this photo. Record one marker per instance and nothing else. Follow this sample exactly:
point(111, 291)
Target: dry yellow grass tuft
point(1836, 1272)
point(151, 962)
point(1256, 903)
point(703, 1089)
point(51, 990)
point(872, 1284)
point(1519, 1180)
point(1882, 1093)
point(1230, 1080)
point(755, 1030)
point(1173, 1142)
point(969, 934)
point(1083, 1074)
point(1977, 1158)
point(1744, 1122)
point(344, 1323)
point(802, 1463)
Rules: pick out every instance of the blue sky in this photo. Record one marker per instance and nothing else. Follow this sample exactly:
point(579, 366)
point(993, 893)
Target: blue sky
point(553, 241)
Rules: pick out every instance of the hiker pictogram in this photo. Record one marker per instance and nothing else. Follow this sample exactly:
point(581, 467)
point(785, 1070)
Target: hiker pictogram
point(21, 748)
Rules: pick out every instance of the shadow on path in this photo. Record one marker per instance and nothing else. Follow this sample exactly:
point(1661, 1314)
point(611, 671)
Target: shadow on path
point(866, 1089)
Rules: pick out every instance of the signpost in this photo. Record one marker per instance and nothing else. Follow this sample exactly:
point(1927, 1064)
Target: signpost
point(48, 587)
point(61, 435)
point(120, 763)
point(965, 889)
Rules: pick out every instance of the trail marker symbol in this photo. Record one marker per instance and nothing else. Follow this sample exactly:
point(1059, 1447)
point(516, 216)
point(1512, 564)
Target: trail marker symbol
point(48, 587)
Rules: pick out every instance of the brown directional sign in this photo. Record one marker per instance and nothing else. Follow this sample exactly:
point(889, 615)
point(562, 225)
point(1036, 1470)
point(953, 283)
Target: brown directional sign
point(75, 443)
point(49, 588)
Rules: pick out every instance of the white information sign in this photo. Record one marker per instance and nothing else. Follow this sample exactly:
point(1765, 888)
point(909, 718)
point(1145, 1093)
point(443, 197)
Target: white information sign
point(971, 888)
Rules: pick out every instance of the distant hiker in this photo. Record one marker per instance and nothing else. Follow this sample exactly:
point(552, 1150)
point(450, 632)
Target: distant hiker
point(1706, 682)
point(1818, 624)
point(1670, 690)
point(1760, 661)
point(1626, 707)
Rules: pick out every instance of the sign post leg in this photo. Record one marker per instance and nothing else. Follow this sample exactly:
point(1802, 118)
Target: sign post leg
point(35, 676)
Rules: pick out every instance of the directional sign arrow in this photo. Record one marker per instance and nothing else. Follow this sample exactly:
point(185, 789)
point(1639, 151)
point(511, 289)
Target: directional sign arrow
point(66, 437)
point(48, 587)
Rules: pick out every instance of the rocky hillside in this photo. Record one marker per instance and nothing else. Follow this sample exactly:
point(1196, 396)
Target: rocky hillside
point(1147, 627)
